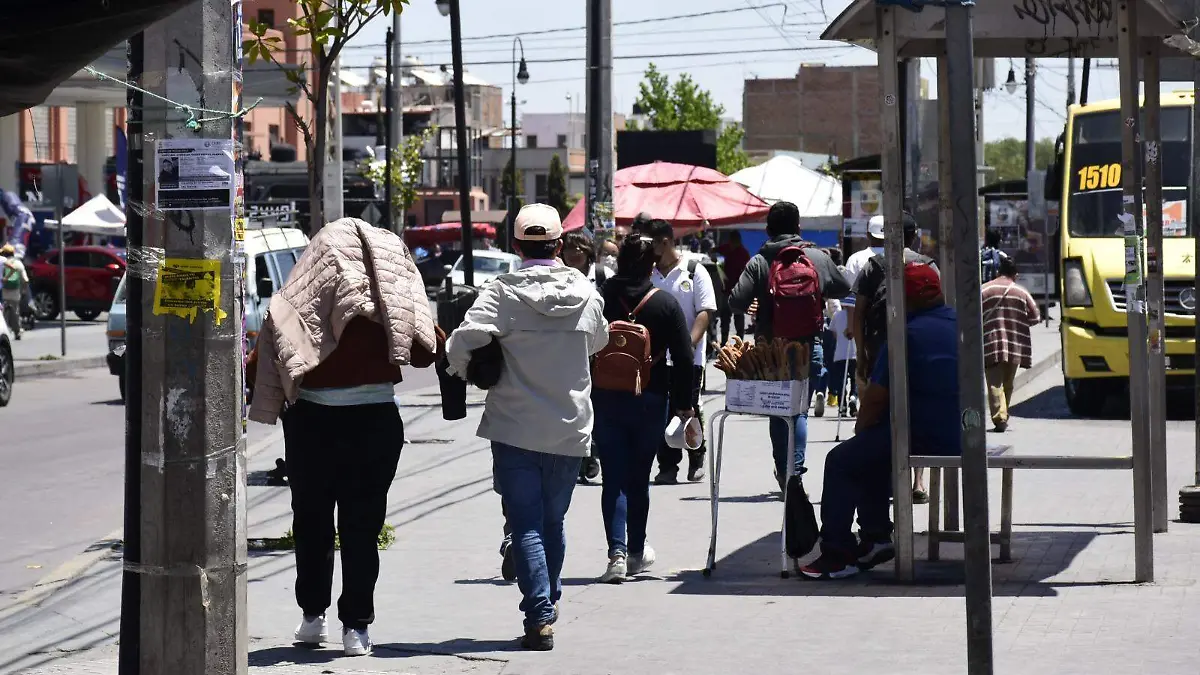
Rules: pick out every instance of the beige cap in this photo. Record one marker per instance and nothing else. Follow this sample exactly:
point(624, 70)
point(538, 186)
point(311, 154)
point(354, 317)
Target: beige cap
point(538, 222)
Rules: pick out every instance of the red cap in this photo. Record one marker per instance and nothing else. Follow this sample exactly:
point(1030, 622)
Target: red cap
point(922, 284)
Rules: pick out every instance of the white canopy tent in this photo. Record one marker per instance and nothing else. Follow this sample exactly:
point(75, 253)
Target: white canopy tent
point(96, 216)
point(783, 178)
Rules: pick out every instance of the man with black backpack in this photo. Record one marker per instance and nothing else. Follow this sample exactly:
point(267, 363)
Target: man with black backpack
point(868, 323)
point(789, 283)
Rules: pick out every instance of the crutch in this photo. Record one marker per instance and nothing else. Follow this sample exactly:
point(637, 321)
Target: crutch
point(842, 402)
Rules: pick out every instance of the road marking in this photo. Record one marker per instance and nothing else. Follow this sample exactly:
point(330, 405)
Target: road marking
point(106, 545)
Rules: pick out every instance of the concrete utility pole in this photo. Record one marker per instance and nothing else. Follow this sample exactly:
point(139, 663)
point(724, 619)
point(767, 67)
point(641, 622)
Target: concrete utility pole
point(599, 193)
point(1155, 290)
point(183, 607)
point(960, 60)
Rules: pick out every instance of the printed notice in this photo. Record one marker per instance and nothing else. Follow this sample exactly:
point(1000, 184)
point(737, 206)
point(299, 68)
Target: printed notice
point(194, 174)
point(188, 286)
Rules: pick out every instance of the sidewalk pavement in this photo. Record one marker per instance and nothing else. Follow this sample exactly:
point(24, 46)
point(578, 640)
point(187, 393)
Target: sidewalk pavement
point(1065, 606)
point(39, 352)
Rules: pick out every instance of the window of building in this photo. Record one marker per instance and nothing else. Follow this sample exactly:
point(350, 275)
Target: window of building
point(531, 141)
point(541, 187)
point(562, 140)
point(273, 132)
point(267, 17)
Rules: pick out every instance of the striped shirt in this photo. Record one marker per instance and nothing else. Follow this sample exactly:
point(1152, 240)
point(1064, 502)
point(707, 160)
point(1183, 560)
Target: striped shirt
point(1008, 312)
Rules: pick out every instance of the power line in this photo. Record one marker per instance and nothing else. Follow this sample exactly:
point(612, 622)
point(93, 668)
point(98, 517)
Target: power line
point(558, 48)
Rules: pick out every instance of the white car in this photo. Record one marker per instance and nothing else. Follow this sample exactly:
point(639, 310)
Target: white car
point(488, 265)
point(7, 366)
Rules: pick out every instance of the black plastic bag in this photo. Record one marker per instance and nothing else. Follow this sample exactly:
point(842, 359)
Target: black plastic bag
point(800, 520)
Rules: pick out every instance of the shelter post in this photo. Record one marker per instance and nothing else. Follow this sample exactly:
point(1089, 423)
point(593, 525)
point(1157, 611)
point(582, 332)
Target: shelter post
point(1155, 291)
point(892, 182)
point(1135, 287)
point(960, 59)
point(946, 257)
point(1193, 216)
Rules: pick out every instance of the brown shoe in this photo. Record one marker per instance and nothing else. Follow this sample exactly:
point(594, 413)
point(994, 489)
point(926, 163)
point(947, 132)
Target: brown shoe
point(539, 638)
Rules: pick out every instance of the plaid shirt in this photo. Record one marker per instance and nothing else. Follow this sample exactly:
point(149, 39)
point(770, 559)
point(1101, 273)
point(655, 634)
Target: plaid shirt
point(1008, 312)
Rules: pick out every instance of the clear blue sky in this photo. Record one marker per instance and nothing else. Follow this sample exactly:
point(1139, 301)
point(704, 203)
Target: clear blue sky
point(724, 39)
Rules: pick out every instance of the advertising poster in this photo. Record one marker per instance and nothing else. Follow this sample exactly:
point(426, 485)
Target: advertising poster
point(864, 199)
point(194, 174)
point(1022, 238)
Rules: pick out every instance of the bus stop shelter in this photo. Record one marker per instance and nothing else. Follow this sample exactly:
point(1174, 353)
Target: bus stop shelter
point(956, 32)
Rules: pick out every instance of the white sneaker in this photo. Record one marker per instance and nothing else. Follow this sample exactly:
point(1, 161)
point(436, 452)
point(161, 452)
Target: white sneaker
point(645, 561)
point(312, 630)
point(616, 571)
point(356, 642)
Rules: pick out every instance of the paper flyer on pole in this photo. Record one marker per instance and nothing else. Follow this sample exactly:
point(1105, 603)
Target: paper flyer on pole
point(194, 174)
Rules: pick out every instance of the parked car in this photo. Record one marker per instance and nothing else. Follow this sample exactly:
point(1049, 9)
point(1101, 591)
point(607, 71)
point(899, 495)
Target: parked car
point(271, 253)
point(488, 265)
point(92, 273)
point(8, 371)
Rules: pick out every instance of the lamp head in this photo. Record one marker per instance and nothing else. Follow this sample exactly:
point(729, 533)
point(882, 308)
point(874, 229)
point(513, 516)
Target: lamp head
point(522, 72)
point(1010, 85)
point(443, 7)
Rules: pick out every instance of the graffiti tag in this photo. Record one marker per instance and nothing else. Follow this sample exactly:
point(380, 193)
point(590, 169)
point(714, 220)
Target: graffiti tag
point(1081, 13)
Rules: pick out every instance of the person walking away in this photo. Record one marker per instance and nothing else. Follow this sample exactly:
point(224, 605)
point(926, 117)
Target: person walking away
point(794, 313)
point(549, 321)
point(351, 313)
point(631, 397)
point(689, 283)
point(858, 472)
point(841, 375)
point(1009, 311)
point(990, 256)
point(716, 273)
point(736, 258)
point(868, 321)
point(580, 254)
point(14, 280)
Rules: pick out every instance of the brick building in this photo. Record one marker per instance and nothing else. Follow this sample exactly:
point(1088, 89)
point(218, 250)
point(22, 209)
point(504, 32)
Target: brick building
point(827, 110)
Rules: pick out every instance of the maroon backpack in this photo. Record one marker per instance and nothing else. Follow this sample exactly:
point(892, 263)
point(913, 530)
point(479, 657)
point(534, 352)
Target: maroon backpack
point(795, 295)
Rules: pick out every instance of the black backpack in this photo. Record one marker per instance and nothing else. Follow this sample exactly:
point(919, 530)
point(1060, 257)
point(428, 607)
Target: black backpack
point(714, 275)
point(875, 320)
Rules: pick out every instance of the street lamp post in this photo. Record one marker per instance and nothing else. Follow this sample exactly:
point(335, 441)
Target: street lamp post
point(520, 74)
point(450, 8)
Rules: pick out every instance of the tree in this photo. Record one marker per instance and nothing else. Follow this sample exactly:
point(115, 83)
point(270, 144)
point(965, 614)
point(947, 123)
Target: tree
point(1007, 157)
point(556, 186)
point(330, 24)
point(684, 106)
point(506, 186)
point(407, 167)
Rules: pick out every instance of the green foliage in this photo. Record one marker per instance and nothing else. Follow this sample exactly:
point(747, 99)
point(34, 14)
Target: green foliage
point(407, 165)
point(684, 106)
point(556, 187)
point(1007, 157)
point(506, 184)
point(387, 537)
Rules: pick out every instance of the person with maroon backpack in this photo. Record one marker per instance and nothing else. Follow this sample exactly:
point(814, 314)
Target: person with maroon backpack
point(631, 387)
point(790, 283)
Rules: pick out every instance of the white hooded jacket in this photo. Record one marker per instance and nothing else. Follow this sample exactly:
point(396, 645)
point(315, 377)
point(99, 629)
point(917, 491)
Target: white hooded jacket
point(549, 321)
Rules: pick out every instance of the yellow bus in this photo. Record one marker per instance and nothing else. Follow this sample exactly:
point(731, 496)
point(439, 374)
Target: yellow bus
point(1095, 352)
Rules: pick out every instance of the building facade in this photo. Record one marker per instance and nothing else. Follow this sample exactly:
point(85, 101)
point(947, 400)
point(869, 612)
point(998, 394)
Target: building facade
point(826, 110)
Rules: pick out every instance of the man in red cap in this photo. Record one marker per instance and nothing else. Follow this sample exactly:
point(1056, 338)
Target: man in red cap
point(858, 472)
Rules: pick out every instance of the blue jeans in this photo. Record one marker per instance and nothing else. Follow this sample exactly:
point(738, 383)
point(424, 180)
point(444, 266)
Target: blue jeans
point(536, 488)
point(779, 430)
point(628, 432)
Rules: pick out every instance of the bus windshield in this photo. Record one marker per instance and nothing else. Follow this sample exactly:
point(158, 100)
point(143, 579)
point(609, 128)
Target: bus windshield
point(1094, 178)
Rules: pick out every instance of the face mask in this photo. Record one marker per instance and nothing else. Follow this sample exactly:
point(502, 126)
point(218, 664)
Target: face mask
point(609, 261)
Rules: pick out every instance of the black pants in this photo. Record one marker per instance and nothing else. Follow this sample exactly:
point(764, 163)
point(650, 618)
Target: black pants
point(738, 320)
point(343, 457)
point(668, 457)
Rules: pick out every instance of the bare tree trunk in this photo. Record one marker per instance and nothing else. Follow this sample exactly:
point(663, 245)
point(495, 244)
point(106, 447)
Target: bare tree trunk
point(316, 153)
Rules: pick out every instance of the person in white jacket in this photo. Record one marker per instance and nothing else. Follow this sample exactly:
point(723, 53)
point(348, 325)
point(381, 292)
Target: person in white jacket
point(549, 322)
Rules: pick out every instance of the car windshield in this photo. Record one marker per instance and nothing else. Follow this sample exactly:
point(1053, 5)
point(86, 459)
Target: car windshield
point(119, 297)
point(1094, 179)
point(488, 265)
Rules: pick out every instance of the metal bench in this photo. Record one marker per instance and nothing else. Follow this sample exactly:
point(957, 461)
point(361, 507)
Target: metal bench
point(999, 457)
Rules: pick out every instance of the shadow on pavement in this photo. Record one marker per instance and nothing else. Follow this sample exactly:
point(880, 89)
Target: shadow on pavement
point(298, 654)
point(1051, 404)
point(1037, 558)
point(453, 647)
point(763, 498)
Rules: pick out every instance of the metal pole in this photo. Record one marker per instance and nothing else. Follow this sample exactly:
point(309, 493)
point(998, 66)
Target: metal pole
point(892, 179)
point(191, 559)
point(334, 175)
point(512, 173)
point(1070, 82)
point(460, 135)
point(59, 211)
point(599, 114)
point(946, 257)
point(1193, 216)
point(396, 106)
point(1135, 290)
point(387, 142)
point(1154, 285)
point(977, 536)
point(129, 656)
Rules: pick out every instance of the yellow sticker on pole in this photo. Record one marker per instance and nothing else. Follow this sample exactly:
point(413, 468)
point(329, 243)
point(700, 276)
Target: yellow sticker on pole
point(187, 286)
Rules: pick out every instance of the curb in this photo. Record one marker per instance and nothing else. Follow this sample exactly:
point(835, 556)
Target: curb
point(55, 366)
point(1027, 376)
point(75, 567)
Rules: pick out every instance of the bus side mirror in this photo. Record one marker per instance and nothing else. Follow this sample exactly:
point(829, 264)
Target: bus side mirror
point(265, 288)
point(1054, 173)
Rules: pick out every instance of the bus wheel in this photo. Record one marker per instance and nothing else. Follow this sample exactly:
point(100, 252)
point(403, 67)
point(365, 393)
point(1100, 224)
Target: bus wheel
point(1085, 397)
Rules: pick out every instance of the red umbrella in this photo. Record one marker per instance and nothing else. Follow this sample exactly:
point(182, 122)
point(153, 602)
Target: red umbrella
point(689, 197)
point(445, 233)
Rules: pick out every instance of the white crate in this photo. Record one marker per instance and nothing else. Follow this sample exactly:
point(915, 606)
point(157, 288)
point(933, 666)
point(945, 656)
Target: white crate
point(760, 397)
